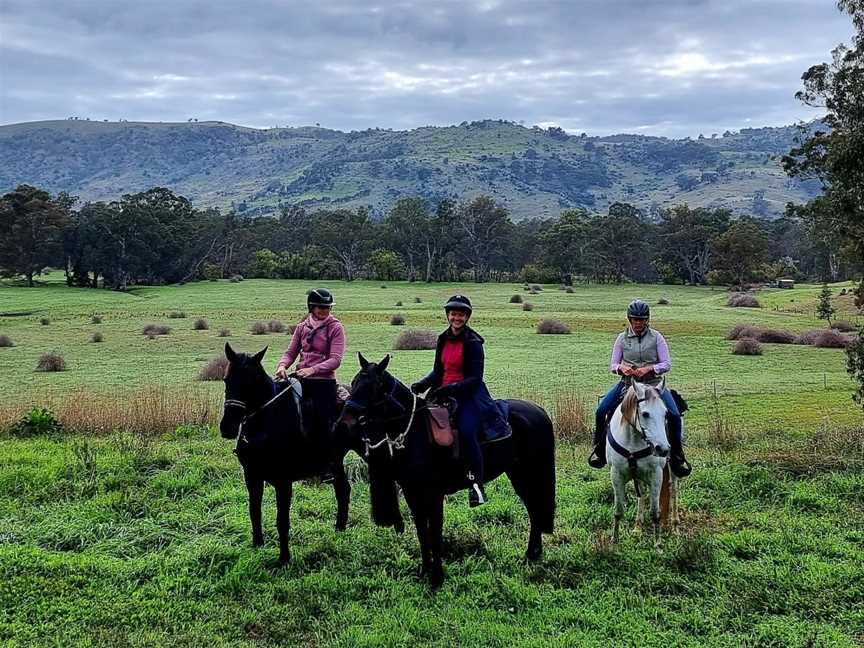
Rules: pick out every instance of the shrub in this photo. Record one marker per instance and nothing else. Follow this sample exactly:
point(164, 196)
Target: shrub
point(275, 326)
point(743, 330)
point(743, 300)
point(807, 337)
point(843, 326)
point(236, 278)
point(397, 320)
point(830, 339)
point(215, 369)
point(96, 319)
point(398, 303)
point(572, 418)
point(51, 362)
point(176, 315)
point(97, 337)
point(416, 340)
point(37, 422)
point(552, 327)
point(516, 299)
point(569, 290)
point(259, 328)
point(200, 324)
point(662, 302)
point(747, 346)
point(152, 330)
point(6, 341)
point(417, 300)
point(536, 287)
point(527, 306)
point(290, 329)
point(383, 285)
point(776, 336)
point(44, 321)
point(224, 332)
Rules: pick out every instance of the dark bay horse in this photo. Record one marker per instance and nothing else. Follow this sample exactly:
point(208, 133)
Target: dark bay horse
point(387, 419)
point(270, 445)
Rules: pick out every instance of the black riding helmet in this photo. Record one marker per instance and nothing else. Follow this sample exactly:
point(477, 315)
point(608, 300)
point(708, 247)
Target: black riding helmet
point(319, 297)
point(638, 309)
point(458, 302)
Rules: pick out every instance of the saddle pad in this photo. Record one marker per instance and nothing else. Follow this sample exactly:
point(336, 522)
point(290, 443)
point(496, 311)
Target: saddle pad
point(492, 433)
point(440, 430)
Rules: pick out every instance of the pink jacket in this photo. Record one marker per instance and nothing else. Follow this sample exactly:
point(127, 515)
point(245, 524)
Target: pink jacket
point(320, 345)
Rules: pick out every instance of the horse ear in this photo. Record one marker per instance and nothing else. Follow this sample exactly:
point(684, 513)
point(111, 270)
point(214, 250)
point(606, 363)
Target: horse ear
point(382, 366)
point(363, 361)
point(230, 353)
point(260, 355)
point(639, 388)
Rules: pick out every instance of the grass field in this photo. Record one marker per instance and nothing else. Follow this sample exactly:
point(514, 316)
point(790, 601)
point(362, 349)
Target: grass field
point(141, 537)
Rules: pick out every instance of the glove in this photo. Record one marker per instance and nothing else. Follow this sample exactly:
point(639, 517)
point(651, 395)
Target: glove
point(441, 393)
point(417, 388)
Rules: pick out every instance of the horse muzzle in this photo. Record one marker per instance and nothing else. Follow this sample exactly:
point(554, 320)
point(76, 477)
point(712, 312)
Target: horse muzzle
point(661, 451)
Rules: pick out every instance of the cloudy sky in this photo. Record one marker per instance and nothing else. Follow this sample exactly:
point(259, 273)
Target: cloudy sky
point(660, 67)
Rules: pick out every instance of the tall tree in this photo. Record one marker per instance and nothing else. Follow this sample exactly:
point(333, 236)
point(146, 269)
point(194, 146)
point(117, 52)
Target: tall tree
point(345, 234)
point(687, 237)
point(31, 232)
point(564, 245)
point(483, 231)
point(740, 250)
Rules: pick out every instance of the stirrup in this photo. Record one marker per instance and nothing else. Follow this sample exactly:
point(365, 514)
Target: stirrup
point(476, 496)
point(595, 460)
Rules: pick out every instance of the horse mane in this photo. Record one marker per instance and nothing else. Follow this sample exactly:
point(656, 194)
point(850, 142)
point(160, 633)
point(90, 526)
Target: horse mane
point(629, 404)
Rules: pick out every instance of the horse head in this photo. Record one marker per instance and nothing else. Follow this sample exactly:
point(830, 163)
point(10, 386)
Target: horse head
point(372, 397)
point(247, 387)
point(644, 410)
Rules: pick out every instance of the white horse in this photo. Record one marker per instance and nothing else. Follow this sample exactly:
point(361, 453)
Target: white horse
point(637, 448)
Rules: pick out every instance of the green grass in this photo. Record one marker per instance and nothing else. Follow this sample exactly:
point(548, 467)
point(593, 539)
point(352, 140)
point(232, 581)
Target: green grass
point(126, 539)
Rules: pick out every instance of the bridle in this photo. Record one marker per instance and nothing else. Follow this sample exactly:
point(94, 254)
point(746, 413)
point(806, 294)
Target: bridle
point(243, 407)
point(363, 419)
point(633, 457)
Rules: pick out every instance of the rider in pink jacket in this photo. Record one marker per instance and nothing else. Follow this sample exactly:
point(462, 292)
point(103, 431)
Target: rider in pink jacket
point(319, 340)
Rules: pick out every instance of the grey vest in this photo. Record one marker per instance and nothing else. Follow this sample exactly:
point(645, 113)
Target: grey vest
point(640, 352)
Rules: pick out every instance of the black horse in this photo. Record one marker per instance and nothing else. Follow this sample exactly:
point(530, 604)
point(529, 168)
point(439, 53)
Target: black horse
point(270, 444)
point(388, 420)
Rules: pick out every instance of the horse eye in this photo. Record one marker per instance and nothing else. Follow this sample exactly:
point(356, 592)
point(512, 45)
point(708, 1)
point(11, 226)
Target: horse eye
point(646, 414)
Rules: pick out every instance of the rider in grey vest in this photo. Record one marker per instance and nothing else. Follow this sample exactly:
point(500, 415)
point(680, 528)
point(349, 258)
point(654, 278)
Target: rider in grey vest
point(639, 353)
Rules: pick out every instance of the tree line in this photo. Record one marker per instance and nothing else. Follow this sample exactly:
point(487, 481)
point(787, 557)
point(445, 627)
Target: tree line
point(157, 237)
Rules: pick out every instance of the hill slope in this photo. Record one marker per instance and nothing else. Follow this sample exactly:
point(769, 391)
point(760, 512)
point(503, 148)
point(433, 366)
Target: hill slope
point(535, 172)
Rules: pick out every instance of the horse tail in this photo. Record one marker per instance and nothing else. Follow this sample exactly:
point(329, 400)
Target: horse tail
point(533, 476)
point(383, 494)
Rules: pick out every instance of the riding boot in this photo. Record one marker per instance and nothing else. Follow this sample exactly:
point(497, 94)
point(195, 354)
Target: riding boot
point(597, 458)
point(678, 463)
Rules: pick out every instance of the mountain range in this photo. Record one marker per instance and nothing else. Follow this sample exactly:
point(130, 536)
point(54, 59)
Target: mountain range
point(535, 172)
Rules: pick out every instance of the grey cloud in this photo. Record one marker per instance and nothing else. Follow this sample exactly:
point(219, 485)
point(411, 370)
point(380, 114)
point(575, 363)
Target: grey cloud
point(660, 67)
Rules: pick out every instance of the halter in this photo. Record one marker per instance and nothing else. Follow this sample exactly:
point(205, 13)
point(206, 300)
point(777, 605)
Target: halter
point(633, 457)
point(389, 397)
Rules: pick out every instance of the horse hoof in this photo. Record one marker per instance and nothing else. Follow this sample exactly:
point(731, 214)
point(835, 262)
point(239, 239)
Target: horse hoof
point(436, 579)
point(257, 542)
point(399, 527)
point(533, 555)
point(284, 559)
point(340, 526)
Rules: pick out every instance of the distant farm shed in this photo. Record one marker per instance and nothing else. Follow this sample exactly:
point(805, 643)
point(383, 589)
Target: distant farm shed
point(785, 283)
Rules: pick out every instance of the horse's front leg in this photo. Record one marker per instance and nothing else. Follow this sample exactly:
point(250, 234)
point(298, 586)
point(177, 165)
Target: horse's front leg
point(255, 487)
point(619, 484)
point(435, 503)
point(343, 497)
point(284, 491)
point(417, 506)
point(674, 518)
point(656, 485)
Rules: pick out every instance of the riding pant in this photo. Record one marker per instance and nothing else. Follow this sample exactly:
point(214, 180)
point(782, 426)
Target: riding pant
point(320, 397)
point(615, 395)
point(468, 422)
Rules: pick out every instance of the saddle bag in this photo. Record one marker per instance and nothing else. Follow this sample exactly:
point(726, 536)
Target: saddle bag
point(441, 431)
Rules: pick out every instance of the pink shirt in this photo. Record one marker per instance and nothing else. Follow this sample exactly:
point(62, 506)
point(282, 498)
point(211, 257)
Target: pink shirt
point(320, 345)
point(664, 364)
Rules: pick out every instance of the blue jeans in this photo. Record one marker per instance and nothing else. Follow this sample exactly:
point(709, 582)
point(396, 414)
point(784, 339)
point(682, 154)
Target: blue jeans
point(614, 396)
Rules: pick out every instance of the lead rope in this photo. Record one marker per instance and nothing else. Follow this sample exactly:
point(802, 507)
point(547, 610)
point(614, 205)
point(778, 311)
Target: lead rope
point(399, 442)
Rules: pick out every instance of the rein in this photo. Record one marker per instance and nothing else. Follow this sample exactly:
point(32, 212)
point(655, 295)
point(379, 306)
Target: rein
point(399, 442)
point(233, 402)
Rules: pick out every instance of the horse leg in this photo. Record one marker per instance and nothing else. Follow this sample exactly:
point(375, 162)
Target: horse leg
point(435, 508)
point(255, 487)
point(674, 519)
point(343, 496)
point(284, 491)
point(656, 487)
point(619, 488)
point(421, 523)
point(531, 499)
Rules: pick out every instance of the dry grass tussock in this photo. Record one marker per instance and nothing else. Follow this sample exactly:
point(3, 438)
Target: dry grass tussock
point(572, 418)
point(156, 329)
point(51, 362)
point(830, 448)
point(415, 340)
point(830, 339)
point(6, 341)
point(516, 299)
point(215, 369)
point(151, 410)
point(200, 324)
point(766, 335)
point(552, 327)
point(844, 326)
point(747, 346)
point(743, 300)
point(397, 320)
point(721, 433)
